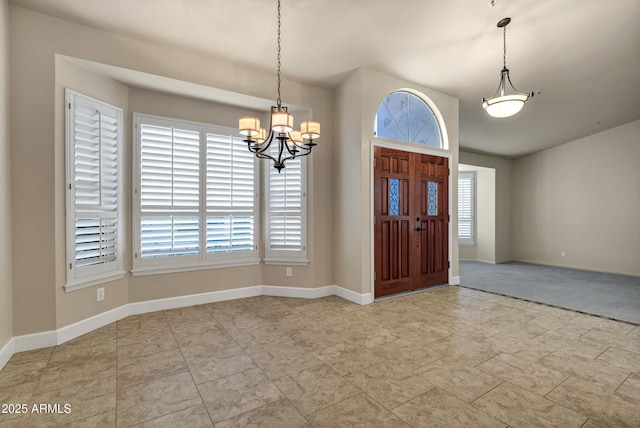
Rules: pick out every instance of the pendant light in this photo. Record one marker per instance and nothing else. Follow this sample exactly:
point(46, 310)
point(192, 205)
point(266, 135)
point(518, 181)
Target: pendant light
point(501, 103)
point(291, 143)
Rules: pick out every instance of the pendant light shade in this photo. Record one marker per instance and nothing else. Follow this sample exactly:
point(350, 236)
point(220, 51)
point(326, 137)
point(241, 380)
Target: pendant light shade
point(281, 121)
point(310, 129)
point(504, 106)
point(507, 100)
point(249, 126)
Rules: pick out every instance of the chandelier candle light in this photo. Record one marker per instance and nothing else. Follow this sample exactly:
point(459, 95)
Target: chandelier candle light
point(291, 144)
point(501, 104)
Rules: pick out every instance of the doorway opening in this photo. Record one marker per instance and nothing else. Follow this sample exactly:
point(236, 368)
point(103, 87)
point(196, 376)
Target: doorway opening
point(477, 214)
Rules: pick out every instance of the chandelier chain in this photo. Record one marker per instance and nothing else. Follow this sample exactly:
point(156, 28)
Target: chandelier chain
point(279, 100)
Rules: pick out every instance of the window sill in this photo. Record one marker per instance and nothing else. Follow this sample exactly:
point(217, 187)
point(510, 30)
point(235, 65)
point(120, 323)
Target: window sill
point(90, 281)
point(289, 262)
point(156, 270)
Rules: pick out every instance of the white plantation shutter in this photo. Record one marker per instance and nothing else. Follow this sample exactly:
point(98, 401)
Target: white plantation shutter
point(231, 194)
point(195, 199)
point(466, 208)
point(286, 237)
point(93, 135)
point(169, 190)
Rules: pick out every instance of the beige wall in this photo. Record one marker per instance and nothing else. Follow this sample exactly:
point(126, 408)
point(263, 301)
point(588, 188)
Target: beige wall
point(6, 299)
point(348, 220)
point(581, 197)
point(503, 188)
point(32, 178)
point(366, 89)
point(484, 249)
point(38, 76)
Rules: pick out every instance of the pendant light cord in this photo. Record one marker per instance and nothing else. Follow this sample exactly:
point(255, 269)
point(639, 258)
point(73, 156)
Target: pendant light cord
point(279, 100)
point(504, 46)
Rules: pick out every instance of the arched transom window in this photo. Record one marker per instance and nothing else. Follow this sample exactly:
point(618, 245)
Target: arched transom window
point(405, 117)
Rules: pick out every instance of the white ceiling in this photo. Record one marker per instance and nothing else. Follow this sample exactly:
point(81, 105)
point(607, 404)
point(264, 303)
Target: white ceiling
point(580, 57)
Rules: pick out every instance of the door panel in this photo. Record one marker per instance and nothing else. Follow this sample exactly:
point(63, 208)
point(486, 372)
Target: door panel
point(432, 187)
point(411, 226)
point(393, 205)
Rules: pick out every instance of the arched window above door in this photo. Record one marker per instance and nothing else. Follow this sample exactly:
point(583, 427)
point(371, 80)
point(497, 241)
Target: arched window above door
point(404, 116)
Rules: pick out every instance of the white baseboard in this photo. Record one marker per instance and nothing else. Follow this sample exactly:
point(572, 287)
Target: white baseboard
point(352, 296)
point(455, 280)
point(193, 299)
point(85, 326)
point(299, 292)
point(491, 262)
point(30, 342)
point(6, 352)
point(578, 267)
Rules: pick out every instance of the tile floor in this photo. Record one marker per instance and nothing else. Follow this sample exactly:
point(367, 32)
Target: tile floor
point(451, 357)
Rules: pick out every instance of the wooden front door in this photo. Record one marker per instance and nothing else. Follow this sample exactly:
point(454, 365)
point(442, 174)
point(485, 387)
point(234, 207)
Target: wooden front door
point(411, 221)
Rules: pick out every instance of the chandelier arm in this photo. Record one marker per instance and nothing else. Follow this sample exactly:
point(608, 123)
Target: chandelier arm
point(303, 152)
point(296, 155)
point(263, 156)
point(257, 150)
point(282, 142)
point(292, 151)
point(260, 148)
point(260, 152)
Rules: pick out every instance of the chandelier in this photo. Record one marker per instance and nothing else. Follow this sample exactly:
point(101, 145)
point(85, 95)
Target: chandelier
point(291, 144)
point(501, 104)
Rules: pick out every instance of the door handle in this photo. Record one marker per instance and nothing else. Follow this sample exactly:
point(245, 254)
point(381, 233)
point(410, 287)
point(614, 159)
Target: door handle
point(419, 229)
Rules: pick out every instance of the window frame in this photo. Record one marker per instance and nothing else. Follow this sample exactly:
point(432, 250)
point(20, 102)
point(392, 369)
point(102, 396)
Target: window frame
point(273, 256)
point(79, 277)
point(203, 259)
point(468, 241)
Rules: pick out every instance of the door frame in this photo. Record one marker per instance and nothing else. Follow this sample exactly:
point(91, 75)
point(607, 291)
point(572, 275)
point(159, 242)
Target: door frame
point(413, 149)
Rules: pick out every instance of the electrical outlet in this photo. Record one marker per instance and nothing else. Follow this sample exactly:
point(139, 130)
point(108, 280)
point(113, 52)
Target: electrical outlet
point(562, 253)
point(100, 294)
point(289, 271)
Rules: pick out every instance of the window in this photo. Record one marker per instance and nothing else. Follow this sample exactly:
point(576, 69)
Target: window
point(286, 213)
point(404, 117)
point(195, 196)
point(93, 141)
point(466, 208)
